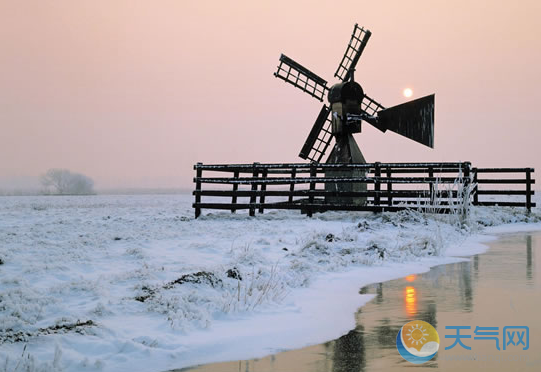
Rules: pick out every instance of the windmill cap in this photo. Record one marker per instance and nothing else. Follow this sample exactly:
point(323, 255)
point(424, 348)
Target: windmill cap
point(343, 92)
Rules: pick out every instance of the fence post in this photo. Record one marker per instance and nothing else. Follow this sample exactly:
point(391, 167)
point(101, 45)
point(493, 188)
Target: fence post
point(198, 174)
point(235, 189)
point(431, 186)
point(466, 185)
point(292, 185)
point(313, 175)
point(263, 188)
point(475, 187)
point(377, 186)
point(253, 197)
point(529, 189)
point(389, 187)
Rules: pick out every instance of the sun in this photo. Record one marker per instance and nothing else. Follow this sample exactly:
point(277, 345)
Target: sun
point(407, 92)
point(417, 334)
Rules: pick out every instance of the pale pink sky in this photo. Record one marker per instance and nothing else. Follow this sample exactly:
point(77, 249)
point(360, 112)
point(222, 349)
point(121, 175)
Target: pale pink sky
point(133, 93)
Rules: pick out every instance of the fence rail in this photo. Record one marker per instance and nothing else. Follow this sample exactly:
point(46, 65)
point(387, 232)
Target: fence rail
point(435, 187)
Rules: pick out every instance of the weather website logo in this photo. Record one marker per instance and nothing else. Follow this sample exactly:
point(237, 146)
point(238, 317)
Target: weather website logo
point(417, 341)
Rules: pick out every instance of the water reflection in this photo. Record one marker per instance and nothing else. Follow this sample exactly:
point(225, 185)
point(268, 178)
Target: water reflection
point(410, 300)
point(465, 285)
point(529, 274)
point(463, 293)
point(348, 353)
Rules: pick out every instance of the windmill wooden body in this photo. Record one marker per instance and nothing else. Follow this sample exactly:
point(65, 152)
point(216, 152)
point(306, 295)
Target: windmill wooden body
point(348, 107)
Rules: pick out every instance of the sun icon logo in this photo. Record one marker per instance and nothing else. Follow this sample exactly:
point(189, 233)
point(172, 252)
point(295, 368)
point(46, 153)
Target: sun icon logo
point(417, 341)
point(417, 334)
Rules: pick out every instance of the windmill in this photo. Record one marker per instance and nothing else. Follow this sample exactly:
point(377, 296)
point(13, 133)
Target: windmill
point(348, 107)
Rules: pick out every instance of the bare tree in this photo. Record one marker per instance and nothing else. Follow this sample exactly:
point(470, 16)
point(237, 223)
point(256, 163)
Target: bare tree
point(64, 182)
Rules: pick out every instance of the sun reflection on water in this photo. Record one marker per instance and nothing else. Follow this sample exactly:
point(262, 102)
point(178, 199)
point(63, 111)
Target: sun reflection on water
point(410, 300)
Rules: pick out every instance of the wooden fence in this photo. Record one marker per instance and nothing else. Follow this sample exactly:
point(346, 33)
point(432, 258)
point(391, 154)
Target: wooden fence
point(433, 187)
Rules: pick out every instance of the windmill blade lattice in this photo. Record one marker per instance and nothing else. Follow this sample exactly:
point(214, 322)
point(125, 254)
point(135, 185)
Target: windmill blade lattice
point(355, 48)
point(319, 138)
point(370, 106)
point(299, 76)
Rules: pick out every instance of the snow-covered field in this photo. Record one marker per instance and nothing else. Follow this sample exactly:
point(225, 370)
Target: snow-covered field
point(134, 283)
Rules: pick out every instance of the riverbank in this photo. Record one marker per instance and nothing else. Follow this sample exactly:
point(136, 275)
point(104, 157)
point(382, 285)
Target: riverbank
point(499, 288)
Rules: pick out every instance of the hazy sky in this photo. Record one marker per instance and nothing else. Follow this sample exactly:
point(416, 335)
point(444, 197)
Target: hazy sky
point(133, 93)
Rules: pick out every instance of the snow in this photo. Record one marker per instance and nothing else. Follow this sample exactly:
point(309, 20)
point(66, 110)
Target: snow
point(74, 267)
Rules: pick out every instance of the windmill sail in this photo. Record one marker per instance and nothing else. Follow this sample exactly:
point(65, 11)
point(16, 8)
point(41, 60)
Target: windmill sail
point(299, 76)
point(319, 137)
point(370, 107)
point(414, 120)
point(355, 48)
